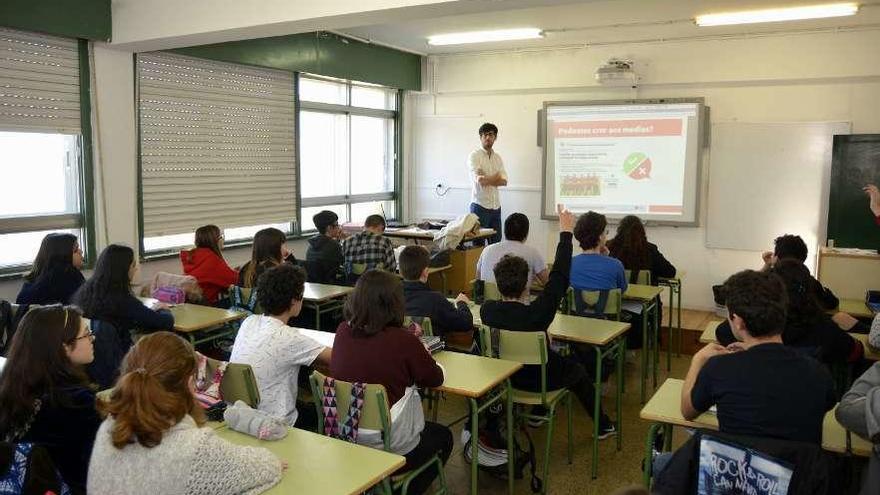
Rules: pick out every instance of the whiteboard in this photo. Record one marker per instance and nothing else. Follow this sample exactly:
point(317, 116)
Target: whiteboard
point(769, 179)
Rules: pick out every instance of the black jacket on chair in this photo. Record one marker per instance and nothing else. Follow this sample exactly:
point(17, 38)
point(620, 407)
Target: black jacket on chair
point(815, 471)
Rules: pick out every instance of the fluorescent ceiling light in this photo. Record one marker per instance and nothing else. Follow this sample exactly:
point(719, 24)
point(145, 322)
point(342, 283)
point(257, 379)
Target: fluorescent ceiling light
point(778, 15)
point(485, 36)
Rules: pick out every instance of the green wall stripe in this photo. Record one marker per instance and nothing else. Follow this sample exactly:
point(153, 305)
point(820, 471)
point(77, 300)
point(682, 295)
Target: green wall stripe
point(88, 19)
point(320, 53)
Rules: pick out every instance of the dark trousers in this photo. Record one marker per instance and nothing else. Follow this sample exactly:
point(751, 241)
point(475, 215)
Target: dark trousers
point(435, 439)
point(490, 219)
point(565, 372)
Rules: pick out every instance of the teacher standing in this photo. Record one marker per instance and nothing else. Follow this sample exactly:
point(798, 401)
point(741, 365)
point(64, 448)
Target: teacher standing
point(487, 174)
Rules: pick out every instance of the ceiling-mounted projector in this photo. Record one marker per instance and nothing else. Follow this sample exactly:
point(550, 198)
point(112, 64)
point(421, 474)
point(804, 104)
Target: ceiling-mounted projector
point(617, 72)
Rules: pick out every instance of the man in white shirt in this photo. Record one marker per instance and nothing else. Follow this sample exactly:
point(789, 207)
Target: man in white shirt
point(276, 351)
point(516, 231)
point(487, 174)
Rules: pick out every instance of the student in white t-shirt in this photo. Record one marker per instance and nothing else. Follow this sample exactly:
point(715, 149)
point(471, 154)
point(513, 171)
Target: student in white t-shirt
point(516, 230)
point(276, 351)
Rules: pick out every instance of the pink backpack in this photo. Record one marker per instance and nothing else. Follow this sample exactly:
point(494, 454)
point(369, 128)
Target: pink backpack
point(169, 295)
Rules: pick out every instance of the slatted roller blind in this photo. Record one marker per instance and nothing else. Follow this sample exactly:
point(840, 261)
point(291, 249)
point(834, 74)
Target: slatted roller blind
point(39, 83)
point(217, 144)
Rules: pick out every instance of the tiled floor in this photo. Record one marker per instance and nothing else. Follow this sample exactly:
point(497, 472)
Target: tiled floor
point(616, 468)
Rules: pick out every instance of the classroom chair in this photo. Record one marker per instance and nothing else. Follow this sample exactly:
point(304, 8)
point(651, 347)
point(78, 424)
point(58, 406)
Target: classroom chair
point(643, 277)
point(422, 321)
point(375, 415)
point(482, 291)
point(605, 304)
point(530, 348)
point(238, 383)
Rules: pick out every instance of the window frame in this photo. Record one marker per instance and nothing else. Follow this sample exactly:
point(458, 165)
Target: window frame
point(296, 232)
point(84, 219)
point(349, 110)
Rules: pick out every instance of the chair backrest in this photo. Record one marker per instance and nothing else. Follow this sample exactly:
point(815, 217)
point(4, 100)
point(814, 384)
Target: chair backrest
point(375, 414)
point(641, 277)
point(358, 268)
point(244, 298)
point(529, 348)
point(491, 292)
point(422, 321)
point(596, 303)
point(238, 383)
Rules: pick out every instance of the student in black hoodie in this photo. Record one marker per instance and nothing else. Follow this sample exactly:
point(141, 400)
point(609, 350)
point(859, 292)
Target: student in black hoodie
point(324, 256)
point(422, 300)
point(55, 275)
point(515, 312)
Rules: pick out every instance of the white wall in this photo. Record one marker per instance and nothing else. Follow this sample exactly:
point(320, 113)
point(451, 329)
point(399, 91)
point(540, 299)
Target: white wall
point(816, 77)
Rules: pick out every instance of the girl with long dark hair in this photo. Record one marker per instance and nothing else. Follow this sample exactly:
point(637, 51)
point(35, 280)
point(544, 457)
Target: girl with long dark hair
point(55, 275)
point(630, 245)
point(269, 249)
point(107, 296)
point(45, 397)
point(205, 262)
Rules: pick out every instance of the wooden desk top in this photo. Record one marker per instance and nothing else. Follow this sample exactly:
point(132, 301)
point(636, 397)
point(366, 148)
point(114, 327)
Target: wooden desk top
point(417, 233)
point(437, 269)
point(679, 274)
point(854, 307)
point(584, 330)
point(319, 464)
point(643, 293)
point(194, 317)
point(871, 353)
point(708, 335)
point(472, 376)
point(665, 407)
point(323, 292)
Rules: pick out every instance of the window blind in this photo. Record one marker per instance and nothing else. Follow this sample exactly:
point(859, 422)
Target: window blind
point(39, 83)
point(216, 144)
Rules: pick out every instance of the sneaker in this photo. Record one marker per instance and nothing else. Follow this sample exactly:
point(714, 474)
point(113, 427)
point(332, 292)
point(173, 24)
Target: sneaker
point(536, 423)
point(606, 429)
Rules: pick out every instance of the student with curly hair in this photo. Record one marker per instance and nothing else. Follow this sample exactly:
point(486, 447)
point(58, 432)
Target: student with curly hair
point(275, 350)
point(154, 439)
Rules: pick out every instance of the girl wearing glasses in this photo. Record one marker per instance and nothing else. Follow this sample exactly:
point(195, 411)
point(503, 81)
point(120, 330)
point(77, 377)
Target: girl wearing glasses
point(45, 397)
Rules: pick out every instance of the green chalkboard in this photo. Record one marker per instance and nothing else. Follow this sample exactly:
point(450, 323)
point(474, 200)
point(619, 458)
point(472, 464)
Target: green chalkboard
point(855, 163)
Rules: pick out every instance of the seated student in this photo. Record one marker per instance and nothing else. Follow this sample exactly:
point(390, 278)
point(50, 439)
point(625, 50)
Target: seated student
point(859, 412)
point(154, 439)
point(207, 265)
point(372, 347)
point(369, 247)
point(45, 397)
point(276, 351)
point(55, 275)
point(760, 386)
point(516, 230)
point(269, 249)
point(515, 312)
point(790, 246)
point(107, 295)
point(594, 269)
point(630, 245)
point(324, 256)
point(421, 300)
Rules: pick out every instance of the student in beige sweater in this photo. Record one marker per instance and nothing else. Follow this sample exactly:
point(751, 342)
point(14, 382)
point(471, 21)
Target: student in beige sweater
point(153, 440)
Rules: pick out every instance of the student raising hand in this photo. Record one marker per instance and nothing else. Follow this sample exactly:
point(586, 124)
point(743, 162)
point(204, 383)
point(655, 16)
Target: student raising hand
point(566, 219)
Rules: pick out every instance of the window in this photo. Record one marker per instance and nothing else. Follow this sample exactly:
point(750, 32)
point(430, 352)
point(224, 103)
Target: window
point(348, 158)
point(217, 146)
point(41, 136)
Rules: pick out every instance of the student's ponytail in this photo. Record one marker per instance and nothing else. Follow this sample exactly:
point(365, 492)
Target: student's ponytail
point(153, 394)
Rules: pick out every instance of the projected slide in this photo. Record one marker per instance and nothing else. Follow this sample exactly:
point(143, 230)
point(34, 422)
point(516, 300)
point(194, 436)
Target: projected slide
point(623, 159)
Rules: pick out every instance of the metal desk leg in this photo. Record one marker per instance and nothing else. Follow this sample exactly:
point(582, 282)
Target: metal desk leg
point(646, 348)
point(678, 326)
point(510, 459)
point(475, 447)
point(656, 341)
point(621, 361)
point(669, 342)
point(597, 401)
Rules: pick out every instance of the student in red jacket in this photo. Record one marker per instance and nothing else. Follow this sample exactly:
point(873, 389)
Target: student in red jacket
point(207, 265)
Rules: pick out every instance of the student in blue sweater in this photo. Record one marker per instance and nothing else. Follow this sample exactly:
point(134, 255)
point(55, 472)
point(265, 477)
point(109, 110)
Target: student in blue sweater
point(55, 275)
point(594, 269)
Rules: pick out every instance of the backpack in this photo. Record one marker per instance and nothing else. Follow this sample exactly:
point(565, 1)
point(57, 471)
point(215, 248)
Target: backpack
point(237, 302)
point(492, 448)
point(27, 469)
